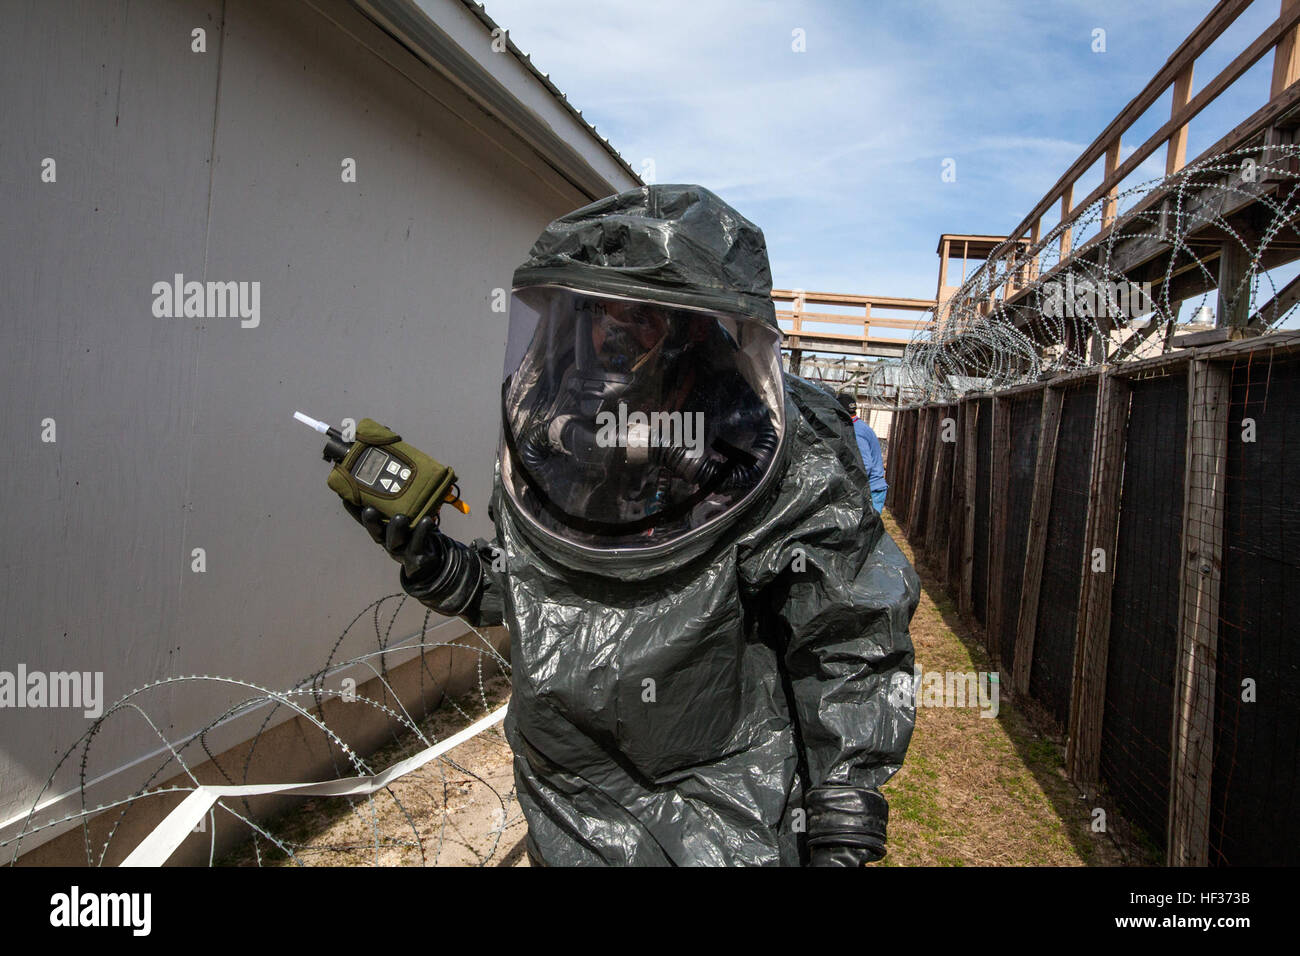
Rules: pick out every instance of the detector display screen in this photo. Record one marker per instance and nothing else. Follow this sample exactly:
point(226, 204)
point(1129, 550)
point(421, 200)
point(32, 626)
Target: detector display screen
point(370, 466)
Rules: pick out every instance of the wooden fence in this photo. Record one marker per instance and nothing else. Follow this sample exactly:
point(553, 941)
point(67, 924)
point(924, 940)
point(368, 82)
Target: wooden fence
point(1126, 542)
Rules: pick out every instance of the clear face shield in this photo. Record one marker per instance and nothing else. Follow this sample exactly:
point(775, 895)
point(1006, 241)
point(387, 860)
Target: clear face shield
point(631, 424)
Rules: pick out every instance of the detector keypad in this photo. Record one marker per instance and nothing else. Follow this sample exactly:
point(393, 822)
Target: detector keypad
point(381, 471)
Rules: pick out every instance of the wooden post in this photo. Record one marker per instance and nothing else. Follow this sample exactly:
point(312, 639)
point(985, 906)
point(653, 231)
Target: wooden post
point(898, 392)
point(909, 480)
point(920, 486)
point(1092, 635)
point(1176, 152)
point(940, 490)
point(1175, 307)
point(1033, 244)
point(1067, 200)
point(914, 469)
point(1234, 295)
point(970, 446)
point(932, 491)
point(901, 484)
point(897, 470)
point(999, 473)
point(1192, 751)
point(1049, 425)
point(1286, 57)
point(1112, 164)
point(955, 505)
point(895, 453)
point(924, 463)
point(796, 353)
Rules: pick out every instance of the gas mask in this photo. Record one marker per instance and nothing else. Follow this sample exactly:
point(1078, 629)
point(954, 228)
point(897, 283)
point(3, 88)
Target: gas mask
point(631, 424)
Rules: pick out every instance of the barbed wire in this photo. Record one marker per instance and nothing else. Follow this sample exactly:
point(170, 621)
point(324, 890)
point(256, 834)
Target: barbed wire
point(1029, 313)
point(393, 826)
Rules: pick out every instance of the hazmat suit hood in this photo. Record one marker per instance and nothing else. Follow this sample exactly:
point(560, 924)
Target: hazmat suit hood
point(643, 408)
point(676, 244)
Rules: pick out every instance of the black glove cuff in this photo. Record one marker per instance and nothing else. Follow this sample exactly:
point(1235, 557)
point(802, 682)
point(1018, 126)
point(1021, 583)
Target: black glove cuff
point(854, 856)
point(450, 580)
point(847, 816)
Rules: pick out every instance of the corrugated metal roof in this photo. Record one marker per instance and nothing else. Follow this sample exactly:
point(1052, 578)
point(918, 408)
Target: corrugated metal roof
point(481, 12)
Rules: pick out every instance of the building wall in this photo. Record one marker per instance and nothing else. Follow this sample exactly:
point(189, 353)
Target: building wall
point(175, 433)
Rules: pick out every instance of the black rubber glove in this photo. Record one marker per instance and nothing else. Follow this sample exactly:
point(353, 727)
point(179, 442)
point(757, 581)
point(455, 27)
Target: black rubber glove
point(438, 571)
point(841, 856)
point(846, 825)
point(408, 546)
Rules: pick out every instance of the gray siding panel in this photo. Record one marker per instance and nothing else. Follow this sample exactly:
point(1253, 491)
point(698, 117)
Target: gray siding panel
point(175, 434)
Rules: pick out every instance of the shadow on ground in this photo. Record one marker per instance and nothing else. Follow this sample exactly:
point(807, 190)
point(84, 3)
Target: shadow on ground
point(981, 790)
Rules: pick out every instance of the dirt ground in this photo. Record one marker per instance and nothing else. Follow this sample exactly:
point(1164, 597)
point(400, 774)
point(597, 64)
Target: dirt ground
point(974, 791)
point(456, 811)
point(979, 791)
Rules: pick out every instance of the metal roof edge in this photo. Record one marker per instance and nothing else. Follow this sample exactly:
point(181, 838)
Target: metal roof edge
point(413, 27)
point(480, 11)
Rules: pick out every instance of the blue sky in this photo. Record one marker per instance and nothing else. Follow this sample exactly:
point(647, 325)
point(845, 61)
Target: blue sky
point(837, 152)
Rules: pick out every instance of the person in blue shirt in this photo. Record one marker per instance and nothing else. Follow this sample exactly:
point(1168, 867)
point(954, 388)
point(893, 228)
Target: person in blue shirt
point(869, 446)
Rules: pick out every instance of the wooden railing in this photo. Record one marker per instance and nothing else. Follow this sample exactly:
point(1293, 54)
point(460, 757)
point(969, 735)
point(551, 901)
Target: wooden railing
point(1281, 37)
point(797, 336)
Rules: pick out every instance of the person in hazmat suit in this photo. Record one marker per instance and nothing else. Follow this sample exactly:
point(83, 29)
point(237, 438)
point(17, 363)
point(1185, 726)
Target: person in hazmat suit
point(708, 622)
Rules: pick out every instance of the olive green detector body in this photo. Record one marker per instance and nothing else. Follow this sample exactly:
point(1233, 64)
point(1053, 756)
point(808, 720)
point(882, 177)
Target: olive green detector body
point(380, 470)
